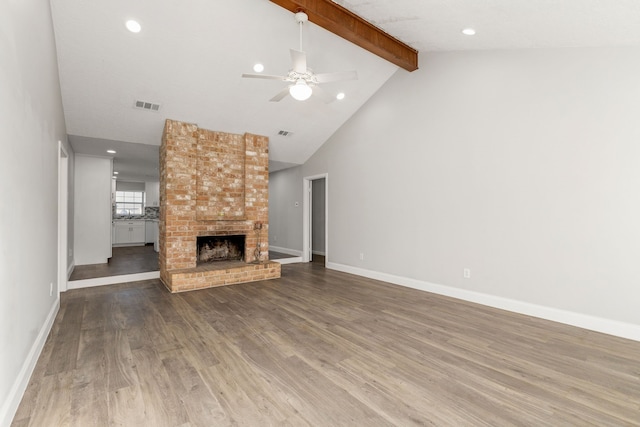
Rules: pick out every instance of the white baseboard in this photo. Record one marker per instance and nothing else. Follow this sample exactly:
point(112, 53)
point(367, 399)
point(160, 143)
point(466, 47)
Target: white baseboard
point(598, 324)
point(288, 260)
point(10, 406)
point(112, 280)
point(92, 261)
point(285, 251)
point(70, 269)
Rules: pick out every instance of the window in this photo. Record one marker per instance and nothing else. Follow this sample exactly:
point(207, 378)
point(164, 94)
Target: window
point(129, 202)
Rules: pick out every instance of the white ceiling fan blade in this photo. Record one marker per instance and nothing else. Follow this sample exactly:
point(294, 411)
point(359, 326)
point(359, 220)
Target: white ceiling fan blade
point(284, 92)
point(299, 61)
point(263, 76)
point(324, 96)
point(334, 77)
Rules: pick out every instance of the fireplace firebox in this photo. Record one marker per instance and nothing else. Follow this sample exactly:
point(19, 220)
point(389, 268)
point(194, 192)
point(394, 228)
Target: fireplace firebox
point(220, 248)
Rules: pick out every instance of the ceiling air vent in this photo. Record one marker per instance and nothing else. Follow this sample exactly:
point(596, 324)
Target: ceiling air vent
point(149, 106)
point(284, 133)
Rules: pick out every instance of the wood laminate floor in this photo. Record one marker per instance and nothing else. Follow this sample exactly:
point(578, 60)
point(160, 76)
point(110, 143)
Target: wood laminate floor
point(279, 255)
point(320, 348)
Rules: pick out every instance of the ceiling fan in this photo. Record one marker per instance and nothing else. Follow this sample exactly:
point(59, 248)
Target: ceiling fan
point(303, 81)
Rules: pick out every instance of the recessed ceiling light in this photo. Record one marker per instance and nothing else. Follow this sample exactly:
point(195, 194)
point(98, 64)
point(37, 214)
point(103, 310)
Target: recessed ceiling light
point(258, 68)
point(468, 32)
point(133, 26)
point(340, 96)
point(111, 151)
point(115, 173)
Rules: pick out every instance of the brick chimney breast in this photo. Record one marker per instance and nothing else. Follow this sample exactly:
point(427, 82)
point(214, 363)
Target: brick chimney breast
point(212, 184)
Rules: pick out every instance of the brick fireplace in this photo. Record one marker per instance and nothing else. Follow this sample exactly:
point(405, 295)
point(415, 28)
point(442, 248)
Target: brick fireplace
point(213, 185)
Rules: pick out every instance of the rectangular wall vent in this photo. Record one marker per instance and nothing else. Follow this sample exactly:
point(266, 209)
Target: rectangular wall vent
point(149, 106)
point(284, 133)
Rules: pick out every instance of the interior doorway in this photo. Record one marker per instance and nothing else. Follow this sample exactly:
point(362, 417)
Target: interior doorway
point(316, 219)
point(63, 216)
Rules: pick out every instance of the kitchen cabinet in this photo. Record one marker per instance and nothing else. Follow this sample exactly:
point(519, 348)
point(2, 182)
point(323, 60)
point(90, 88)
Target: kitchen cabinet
point(113, 191)
point(129, 233)
point(152, 193)
point(150, 231)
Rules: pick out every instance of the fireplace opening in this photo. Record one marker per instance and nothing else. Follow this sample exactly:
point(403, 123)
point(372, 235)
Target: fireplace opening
point(220, 248)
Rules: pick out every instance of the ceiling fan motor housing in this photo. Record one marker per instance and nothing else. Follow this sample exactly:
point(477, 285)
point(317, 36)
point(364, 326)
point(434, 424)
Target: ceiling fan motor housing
point(301, 17)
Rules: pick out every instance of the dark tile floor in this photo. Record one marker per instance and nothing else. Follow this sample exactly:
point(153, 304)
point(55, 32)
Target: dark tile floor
point(135, 259)
point(125, 260)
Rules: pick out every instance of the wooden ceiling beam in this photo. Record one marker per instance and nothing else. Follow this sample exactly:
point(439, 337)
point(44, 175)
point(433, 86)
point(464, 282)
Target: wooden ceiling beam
point(350, 26)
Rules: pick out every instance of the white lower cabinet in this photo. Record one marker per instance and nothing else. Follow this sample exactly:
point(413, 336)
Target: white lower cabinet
point(149, 234)
point(129, 233)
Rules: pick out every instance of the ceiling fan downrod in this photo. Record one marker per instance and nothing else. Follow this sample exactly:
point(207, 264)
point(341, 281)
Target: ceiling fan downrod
point(301, 18)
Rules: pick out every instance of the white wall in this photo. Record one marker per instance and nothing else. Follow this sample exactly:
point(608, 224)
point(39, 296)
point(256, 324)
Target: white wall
point(129, 186)
point(519, 165)
point(70, 208)
point(92, 215)
point(32, 124)
point(70, 162)
point(285, 218)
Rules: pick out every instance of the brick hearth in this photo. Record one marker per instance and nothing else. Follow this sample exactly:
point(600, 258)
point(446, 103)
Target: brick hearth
point(212, 183)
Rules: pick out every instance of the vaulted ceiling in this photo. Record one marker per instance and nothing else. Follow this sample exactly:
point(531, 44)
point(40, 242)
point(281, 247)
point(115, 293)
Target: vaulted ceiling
point(189, 56)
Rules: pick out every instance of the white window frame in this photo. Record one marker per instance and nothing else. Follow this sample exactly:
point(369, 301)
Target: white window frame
point(132, 205)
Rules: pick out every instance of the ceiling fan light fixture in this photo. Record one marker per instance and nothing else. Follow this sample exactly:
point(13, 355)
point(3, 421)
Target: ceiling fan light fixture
point(300, 91)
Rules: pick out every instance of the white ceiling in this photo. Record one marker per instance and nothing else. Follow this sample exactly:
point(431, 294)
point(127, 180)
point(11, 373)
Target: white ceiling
point(190, 54)
point(434, 25)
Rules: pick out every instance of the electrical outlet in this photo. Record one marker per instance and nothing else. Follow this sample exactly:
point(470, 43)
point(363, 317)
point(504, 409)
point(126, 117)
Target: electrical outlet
point(51, 289)
point(361, 256)
point(466, 273)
